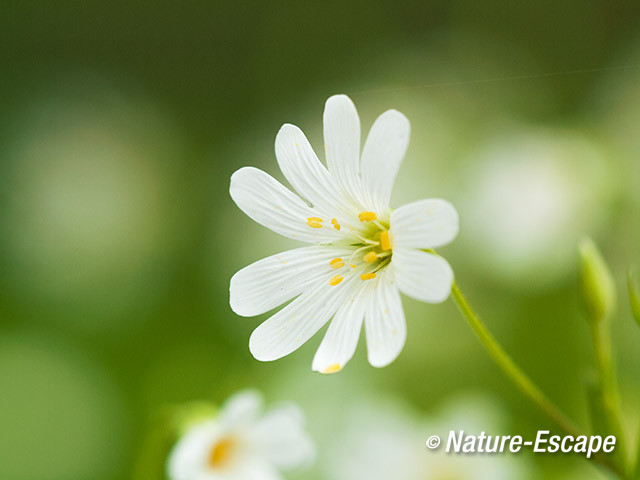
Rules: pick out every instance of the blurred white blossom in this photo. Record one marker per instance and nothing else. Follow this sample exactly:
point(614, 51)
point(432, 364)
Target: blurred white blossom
point(383, 441)
point(242, 442)
point(529, 197)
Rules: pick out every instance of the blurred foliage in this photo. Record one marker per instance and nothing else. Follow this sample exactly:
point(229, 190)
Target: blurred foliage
point(121, 123)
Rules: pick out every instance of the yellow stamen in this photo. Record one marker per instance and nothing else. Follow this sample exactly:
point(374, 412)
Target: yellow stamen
point(336, 367)
point(385, 240)
point(367, 276)
point(336, 263)
point(353, 266)
point(370, 257)
point(335, 280)
point(221, 452)
point(367, 216)
point(314, 222)
point(335, 224)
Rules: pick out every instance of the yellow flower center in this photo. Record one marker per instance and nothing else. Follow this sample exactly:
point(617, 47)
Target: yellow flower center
point(222, 452)
point(373, 249)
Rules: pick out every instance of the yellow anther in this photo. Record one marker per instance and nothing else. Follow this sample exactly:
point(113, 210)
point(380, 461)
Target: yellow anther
point(335, 280)
point(367, 276)
point(336, 367)
point(367, 216)
point(335, 224)
point(370, 257)
point(336, 263)
point(353, 266)
point(385, 241)
point(314, 222)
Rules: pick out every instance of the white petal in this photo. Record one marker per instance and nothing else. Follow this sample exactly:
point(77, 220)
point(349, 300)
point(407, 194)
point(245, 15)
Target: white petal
point(281, 437)
point(342, 143)
point(306, 174)
point(292, 326)
point(251, 469)
point(269, 203)
point(241, 409)
point(384, 324)
point(422, 275)
point(381, 158)
point(187, 459)
point(424, 224)
point(274, 280)
point(340, 341)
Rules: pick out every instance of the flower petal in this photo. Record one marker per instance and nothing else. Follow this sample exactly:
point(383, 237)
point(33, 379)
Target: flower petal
point(424, 224)
point(342, 144)
point(274, 280)
point(381, 158)
point(340, 341)
point(384, 324)
point(241, 409)
point(422, 275)
point(307, 175)
point(281, 438)
point(292, 326)
point(249, 468)
point(187, 458)
point(269, 203)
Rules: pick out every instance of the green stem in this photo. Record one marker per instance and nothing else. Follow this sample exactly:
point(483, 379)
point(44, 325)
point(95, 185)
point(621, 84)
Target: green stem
point(509, 368)
point(518, 377)
point(604, 364)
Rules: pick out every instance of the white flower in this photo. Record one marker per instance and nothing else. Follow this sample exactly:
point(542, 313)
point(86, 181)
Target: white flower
point(540, 191)
point(384, 440)
point(242, 443)
point(364, 252)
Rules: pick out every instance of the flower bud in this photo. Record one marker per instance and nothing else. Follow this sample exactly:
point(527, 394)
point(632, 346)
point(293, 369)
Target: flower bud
point(634, 296)
point(596, 282)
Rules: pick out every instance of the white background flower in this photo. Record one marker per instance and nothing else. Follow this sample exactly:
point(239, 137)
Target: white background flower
point(527, 201)
point(386, 440)
point(364, 252)
point(242, 443)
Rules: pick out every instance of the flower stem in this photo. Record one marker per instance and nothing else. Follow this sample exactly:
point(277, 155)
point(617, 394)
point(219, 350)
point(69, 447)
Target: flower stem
point(518, 377)
point(509, 367)
point(608, 383)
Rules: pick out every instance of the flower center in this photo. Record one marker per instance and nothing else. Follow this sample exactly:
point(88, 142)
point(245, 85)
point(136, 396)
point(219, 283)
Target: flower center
point(373, 250)
point(221, 453)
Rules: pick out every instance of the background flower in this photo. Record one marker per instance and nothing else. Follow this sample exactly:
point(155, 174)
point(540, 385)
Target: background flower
point(242, 441)
point(385, 440)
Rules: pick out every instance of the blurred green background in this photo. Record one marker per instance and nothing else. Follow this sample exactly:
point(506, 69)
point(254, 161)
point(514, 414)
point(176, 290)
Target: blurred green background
point(121, 123)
